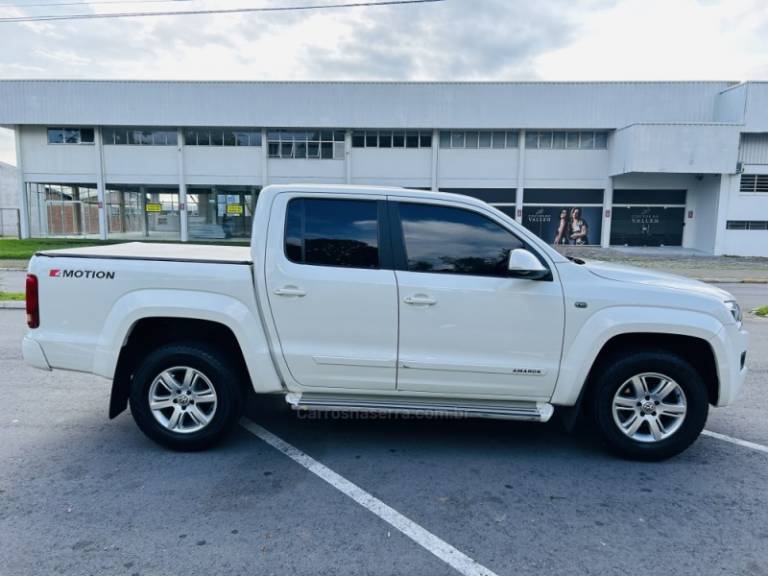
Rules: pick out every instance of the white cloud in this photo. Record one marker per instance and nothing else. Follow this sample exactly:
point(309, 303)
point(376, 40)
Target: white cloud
point(452, 40)
point(665, 40)
point(456, 39)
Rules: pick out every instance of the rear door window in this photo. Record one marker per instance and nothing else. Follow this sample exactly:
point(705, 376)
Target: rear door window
point(326, 232)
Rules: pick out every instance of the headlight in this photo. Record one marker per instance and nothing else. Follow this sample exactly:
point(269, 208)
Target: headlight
point(734, 309)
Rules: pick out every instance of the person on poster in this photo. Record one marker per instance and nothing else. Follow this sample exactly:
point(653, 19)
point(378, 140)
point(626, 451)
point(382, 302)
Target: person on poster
point(578, 230)
point(561, 237)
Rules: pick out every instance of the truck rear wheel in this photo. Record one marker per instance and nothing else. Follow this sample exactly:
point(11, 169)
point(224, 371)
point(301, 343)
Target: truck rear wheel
point(186, 396)
point(650, 405)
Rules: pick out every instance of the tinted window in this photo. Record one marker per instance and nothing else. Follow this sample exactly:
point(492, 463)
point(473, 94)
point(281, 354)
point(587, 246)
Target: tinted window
point(55, 136)
point(455, 241)
point(332, 232)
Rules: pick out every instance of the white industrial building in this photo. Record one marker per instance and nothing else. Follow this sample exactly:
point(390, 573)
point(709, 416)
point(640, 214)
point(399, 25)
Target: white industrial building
point(646, 163)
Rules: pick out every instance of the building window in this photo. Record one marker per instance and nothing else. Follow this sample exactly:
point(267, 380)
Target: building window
point(222, 137)
point(328, 232)
point(754, 183)
point(392, 139)
point(137, 136)
point(63, 209)
point(70, 136)
point(476, 139)
point(306, 144)
point(746, 225)
point(561, 140)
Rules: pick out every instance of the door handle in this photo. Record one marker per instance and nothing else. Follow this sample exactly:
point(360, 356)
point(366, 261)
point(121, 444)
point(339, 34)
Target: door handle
point(290, 290)
point(420, 300)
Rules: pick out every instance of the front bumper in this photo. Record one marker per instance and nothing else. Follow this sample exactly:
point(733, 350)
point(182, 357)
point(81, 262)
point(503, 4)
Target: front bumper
point(731, 350)
point(33, 354)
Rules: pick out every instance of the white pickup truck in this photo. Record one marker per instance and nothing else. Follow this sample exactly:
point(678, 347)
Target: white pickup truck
point(387, 300)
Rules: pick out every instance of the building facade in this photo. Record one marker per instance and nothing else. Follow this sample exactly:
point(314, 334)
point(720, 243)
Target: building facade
point(597, 163)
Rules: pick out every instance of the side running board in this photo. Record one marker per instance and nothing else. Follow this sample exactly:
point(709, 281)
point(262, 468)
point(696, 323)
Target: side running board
point(440, 407)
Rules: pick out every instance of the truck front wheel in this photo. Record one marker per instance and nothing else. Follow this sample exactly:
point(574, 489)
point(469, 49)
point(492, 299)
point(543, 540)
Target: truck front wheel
point(186, 396)
point(650, 405)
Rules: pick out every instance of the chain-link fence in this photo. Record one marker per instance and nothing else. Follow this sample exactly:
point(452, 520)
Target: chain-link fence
point(10, 223)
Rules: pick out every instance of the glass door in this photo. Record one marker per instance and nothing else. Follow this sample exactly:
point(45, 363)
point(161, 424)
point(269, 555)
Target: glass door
point(221, 212)
point(125, 214)
point(161, 213)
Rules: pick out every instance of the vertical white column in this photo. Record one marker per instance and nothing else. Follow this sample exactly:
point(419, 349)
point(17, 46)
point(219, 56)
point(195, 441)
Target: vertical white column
point(348, 156)
point(726, 183)
point(23, 199)
point(264, 158)
point(692, 197)
point(605, 234)
point(520, 176)
point(182, 185)
point(100, 183)
point(435, 160)
point(145, 216)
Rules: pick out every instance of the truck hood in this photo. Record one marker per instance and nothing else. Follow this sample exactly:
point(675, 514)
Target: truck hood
point(648, 277)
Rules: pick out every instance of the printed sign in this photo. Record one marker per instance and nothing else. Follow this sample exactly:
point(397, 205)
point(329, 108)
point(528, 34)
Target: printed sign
point(154, 207)
point(234, 209)
point(647, 226)
point(565, 224)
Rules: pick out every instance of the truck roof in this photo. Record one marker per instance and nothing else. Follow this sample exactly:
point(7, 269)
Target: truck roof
point(273, 189)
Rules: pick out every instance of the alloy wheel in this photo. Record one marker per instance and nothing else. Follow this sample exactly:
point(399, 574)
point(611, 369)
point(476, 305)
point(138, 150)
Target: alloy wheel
point(182, 399)
point(649, 407)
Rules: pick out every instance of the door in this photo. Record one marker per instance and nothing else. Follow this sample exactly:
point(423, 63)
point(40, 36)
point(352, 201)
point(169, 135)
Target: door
point(332, 291)
point(466, 327)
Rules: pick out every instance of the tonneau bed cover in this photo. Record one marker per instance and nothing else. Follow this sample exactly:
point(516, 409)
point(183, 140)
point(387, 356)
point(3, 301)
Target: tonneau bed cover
point(209, 253)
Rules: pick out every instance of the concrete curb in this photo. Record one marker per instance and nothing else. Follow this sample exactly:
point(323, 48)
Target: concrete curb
point(13, 304)
point(733, 280)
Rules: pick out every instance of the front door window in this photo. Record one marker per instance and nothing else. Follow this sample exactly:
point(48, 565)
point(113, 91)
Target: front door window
point(449, 240)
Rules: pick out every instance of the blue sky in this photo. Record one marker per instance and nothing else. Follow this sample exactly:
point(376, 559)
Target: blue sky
point(452, 40)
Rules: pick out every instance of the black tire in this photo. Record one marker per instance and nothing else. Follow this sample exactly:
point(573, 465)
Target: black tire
point(222, 373)
point(616, 372)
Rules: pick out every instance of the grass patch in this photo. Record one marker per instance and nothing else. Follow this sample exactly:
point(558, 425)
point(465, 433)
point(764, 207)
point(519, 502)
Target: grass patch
point(14, 249)
point(5, 296)
point(762, 311)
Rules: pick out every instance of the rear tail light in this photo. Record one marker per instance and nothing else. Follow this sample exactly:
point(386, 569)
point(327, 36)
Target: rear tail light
point(33, 303)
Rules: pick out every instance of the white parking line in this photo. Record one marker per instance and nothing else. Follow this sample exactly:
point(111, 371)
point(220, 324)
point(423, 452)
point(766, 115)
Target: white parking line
point(737, 441)
point(423, 537)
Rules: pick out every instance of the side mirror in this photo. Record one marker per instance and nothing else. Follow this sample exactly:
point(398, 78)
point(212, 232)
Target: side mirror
point(523, 264)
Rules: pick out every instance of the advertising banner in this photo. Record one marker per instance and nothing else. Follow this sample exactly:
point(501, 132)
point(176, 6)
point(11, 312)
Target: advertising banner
point(647, 225)
point(565, 224)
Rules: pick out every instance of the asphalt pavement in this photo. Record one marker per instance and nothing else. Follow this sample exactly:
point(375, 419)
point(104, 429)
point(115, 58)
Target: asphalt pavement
point(80, 494)
point(12, 280)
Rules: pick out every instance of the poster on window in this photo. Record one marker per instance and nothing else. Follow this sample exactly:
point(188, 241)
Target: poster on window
point(647, 225)
point(574, 225)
